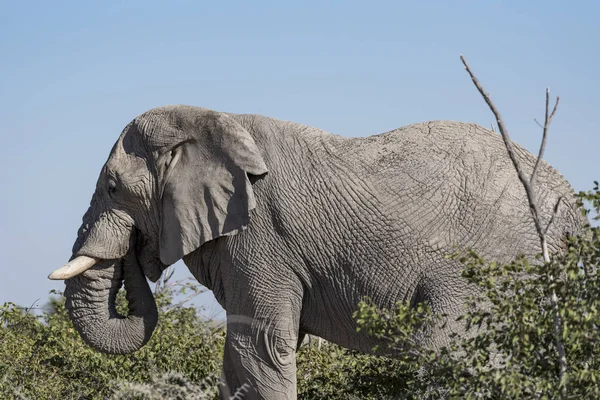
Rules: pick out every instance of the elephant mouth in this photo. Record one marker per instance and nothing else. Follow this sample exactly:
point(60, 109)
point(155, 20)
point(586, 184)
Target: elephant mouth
point(80, 264)
point(84, 259)
point(76, 266)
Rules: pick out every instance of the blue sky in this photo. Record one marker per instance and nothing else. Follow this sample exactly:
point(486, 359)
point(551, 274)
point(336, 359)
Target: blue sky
point(73, 74)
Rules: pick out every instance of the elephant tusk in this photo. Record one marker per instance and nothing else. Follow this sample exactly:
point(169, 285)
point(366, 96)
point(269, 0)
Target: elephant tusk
point(73, 268)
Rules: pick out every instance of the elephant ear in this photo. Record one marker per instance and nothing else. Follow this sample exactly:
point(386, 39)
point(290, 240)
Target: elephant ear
point(207, 190)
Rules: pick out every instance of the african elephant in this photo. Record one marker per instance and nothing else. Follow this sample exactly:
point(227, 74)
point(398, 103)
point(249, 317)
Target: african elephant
point(291, 227)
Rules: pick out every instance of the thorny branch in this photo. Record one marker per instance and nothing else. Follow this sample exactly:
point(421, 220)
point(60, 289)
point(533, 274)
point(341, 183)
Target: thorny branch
point(528, 184)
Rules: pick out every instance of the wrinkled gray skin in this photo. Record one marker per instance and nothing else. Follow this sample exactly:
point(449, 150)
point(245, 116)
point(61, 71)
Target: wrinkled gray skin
point(291, 227)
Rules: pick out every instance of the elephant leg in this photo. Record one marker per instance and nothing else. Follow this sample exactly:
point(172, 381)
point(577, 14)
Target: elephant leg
point(261, 355)
point(230, 384)
point(301, 337)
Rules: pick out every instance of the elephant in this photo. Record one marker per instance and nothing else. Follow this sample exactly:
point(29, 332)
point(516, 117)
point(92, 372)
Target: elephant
point(291, 227)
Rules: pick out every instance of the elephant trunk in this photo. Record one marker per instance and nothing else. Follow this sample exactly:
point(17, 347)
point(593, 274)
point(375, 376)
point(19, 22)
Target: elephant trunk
point(91, 303)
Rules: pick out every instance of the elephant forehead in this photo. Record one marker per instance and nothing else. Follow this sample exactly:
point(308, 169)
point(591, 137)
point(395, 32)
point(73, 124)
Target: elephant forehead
point(169, 125)
point(125, 162)
point(157, 129)
point(176, 112)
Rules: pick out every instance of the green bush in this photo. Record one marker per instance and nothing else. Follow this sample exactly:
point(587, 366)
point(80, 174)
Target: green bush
point(515, 356)
point(168, 386)
point(332, 372)
point(42, 357)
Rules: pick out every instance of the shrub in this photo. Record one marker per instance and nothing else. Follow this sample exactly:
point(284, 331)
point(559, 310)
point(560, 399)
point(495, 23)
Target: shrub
point(42, 357)
point(515, 355)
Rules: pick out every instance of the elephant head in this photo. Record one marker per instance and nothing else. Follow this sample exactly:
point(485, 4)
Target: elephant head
point(177, 177)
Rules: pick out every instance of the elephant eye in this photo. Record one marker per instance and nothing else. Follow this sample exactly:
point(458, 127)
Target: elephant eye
point(112, 186)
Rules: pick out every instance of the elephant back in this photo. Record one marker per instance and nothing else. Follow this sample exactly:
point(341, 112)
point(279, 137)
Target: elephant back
point(455, 185)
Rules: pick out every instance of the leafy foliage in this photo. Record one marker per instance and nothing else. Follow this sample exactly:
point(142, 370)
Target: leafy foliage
point(332, 372)
point(42, 357)
point(168, 386)
point(509, 351)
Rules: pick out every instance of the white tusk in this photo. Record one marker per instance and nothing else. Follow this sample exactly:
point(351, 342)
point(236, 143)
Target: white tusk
point(73, 268)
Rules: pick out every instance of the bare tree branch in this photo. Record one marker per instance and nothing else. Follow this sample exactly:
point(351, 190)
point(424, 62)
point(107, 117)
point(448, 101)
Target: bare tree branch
point(509, 148)
point(533, 206)
point(547, 120)
point(554, 109)
point(182, 302)
point(554, 212)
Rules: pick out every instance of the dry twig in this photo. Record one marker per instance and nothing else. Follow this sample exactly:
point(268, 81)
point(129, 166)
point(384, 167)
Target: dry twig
point(528, 185)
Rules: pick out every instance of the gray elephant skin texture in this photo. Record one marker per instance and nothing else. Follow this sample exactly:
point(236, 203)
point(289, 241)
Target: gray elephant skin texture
point(291, 227)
